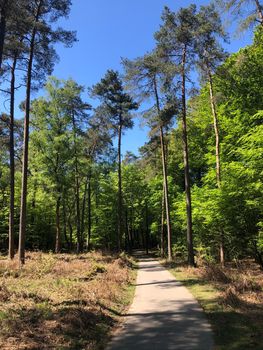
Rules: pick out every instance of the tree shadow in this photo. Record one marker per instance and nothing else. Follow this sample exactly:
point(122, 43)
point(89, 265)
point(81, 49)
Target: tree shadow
point(71, 326)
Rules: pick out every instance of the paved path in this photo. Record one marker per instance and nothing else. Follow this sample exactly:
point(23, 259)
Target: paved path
point(163, 316)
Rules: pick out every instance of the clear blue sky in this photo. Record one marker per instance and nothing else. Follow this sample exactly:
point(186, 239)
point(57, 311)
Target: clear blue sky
point(108, 30)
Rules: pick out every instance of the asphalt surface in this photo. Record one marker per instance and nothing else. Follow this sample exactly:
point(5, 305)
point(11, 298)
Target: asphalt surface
point(164, 315)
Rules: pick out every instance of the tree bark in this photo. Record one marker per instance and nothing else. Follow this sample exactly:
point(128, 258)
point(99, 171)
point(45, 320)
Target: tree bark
point(89, 212)
point(186, 167)
point(128, 233)
point(70, 233)
point(119, 236)
point(218, 163)
point(83, 210)
point(11, 252)
point(65, 221)
point(166, 192)
point(216, 128)
point(162, 224)
point(58, 233)
point(23, 208)
point(77, 186)
point(166, 198)
point(147, 229)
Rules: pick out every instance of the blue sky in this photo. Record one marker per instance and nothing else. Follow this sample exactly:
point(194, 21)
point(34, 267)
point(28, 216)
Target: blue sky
point(108, 30)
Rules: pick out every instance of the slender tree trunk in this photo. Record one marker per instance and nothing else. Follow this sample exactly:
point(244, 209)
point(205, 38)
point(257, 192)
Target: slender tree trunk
point(147, 229)
point(218, 164)
point(58, 233)
point(23, 208)
point(77, 186)
point(128, 231)
point(83, 211)
point(166, 192)
point(186, 168)
point(65, 221)
point(260, 11)
point(166, 197)
point(11, 252)
point(70, 233)
point(131, 229)
point(162, 223)
point(89, 212)
point(2, 31)
point(216, 129)
point(119, 236)
point(127, 240)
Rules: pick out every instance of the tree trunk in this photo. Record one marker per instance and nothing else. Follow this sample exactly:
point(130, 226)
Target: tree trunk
point(186, 168)
point(23, 208)
point(131, 230)
point(58, 235)
point(216, 128)
point(218, 164)
point(128, 233)
point(119, 236)
point(70, 233)
point(166, 192)
point(65, 222)
point(162, 224)
point(77, 186)
point(82, 227)
point(11, 252)
point(89, 212)
point(147, 229)
point(166, 198)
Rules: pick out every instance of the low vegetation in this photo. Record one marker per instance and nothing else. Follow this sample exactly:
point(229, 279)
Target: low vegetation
point(63, 301)
point(232, 298)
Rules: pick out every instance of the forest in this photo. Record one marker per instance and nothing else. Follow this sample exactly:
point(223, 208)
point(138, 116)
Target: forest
point(75, 208)
point(195, 188)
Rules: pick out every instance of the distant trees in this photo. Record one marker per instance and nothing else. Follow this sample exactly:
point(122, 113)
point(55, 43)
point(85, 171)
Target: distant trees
point(57, 145)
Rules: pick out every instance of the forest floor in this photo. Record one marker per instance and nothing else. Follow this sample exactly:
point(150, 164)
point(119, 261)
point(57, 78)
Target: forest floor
point(232, 298)
point(63, 301)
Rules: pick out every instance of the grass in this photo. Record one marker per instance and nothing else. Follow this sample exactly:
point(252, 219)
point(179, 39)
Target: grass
point(63, 301)
point(232, 299)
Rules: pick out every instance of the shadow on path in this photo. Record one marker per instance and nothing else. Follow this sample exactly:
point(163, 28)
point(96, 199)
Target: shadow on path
point(164, 315)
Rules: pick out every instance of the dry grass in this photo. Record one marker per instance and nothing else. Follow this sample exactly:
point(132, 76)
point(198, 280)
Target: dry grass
point(232, 297)
point(241, 286)
point(62, 301)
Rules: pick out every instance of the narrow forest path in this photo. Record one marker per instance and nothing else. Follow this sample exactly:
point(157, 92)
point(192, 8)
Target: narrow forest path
point(164, 315)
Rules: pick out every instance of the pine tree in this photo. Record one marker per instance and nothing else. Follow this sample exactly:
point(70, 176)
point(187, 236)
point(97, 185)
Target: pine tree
point(175, 41)
point(41, 59)
point(149, 77)
point(118, 105)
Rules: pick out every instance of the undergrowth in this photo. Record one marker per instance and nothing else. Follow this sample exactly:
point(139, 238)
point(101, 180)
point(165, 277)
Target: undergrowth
point(232, 298)
point(63, 301)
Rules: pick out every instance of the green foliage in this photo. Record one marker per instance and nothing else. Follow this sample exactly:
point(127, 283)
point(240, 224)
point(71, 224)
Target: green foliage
point(73, 182)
